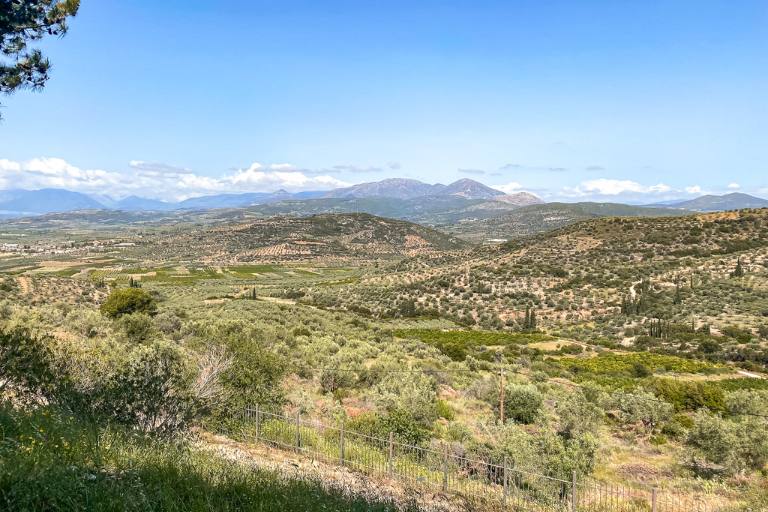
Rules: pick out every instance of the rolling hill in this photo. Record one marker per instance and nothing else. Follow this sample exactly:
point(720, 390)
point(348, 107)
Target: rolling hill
point(586, 270)
point(538, 218)
point(330, 236)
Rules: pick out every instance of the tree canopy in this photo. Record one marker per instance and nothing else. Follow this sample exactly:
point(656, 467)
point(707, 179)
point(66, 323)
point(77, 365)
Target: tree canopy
point(125, 301)
point(24, 21)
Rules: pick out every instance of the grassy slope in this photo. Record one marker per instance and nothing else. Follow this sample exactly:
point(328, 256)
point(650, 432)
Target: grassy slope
point(49, 463)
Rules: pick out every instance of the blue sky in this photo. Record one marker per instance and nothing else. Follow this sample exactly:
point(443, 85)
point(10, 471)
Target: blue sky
point(635, 101)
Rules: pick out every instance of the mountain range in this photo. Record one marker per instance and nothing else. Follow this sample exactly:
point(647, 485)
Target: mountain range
point(395, 197)
point(34, 202)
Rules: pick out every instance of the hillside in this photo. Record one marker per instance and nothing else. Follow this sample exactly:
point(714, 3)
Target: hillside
point(327, 235)
point(712, 203)
point(537, 218)
point(588, 270)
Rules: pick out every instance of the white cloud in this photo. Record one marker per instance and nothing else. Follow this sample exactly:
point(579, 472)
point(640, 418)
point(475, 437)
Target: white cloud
point(157, 180)
point(509, 188)
point(610, 187)
point(613, 188)
point(733, 186)
point(693, 189)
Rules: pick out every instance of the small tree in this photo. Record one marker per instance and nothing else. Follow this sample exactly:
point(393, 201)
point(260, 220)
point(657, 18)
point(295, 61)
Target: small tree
point(739, 270)
point(153, 391)
point(125, 301)
point(641, 407)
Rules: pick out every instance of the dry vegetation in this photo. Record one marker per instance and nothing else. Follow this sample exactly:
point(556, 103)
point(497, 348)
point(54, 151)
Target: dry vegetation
point(634, 349)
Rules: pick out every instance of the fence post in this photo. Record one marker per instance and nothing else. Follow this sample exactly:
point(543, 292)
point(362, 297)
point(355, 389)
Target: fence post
point(574, 503)
point(390, 456)
point(445, 468)
point(341, 442)
point(653, 500)
point(505, 484)
point(298, 431)
point(258, 424)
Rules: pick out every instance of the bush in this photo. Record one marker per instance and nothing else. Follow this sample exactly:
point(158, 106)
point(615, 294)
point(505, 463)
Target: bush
point(152, 392)
point(522, 402)
point(403, 426)
point(411, 394)
point(689, 396)
point(641, 407)
point(136, 326)
point(125, 301)
point(444, 410)
point(748, 402)
point(733, 446)
point(333, 379)
point(25, 363)
point(252, 376)
point(168, 323)
point(578, 416)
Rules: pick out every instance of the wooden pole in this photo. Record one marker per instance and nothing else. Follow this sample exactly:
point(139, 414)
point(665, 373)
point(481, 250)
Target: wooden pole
point(298, 430)
point(506, 483)
point(258, 423)
point(341, 443)
point(391, 453)
point(574, 504)
point(501, 396)
point(445, 468)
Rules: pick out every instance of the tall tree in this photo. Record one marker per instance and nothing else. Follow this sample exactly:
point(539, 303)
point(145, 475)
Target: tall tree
point(24, 21)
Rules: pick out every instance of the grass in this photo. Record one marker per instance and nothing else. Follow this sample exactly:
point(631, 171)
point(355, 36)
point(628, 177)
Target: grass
point(50, 462)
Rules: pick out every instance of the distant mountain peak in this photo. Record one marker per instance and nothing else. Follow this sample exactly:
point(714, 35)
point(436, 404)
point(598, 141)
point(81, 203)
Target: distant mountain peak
point(400, 188)
point(471, 189)
point(520, 199)
point(713, 203)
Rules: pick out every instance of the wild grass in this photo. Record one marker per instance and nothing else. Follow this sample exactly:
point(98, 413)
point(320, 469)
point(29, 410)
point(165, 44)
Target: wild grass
point(52, 462)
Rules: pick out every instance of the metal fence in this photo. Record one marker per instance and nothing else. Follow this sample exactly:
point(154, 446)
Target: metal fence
point(500, 484)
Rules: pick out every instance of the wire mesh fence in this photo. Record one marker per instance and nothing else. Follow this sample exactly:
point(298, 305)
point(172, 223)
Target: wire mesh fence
point(502, 483)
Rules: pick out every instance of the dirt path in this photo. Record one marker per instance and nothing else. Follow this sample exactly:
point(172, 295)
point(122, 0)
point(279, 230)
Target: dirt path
point(750, 374)
point(293, 466)
point(24, 285)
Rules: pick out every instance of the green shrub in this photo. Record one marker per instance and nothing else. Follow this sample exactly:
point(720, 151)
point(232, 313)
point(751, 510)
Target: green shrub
point(689, 396)
point(444, 410)
point(748, 402)
point(125, 301)
point(577, 415)
point(136, 326)
point(735, 446)
point(403, 426)
point(641, 407)
point(522, 402)
point(152, 392)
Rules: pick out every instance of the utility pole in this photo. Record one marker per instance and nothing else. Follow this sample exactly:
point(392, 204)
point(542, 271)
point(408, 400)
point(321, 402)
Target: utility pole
point(501, 395)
